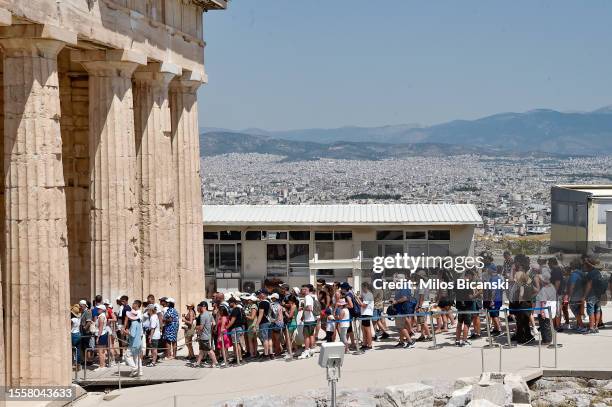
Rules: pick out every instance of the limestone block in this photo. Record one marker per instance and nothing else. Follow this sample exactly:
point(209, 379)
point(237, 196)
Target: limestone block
point(495, 393)
point(517, 387)
point(465, 381)
point(460, 397)
point(410, 395)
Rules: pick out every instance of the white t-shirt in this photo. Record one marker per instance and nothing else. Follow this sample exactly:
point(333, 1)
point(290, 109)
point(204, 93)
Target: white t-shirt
point(75, 322)
point(368, 300)
point(154, 325)
point(344, 315)
point(308, 303)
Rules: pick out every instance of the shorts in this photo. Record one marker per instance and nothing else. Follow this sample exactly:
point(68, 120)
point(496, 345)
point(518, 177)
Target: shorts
point(477, 305)
point(575, 308)
point(377, 314)
point(204, 345)
point(235, 333)
point(264, 331)
point(309, 329)
point(421, 318)
point(465, 319)
point(154, 344)
point(277, 326)
point(366, 322)
point(411, 307)
point(443, 303)
point(494, 309)
point(103, 340)
point(593, 306)
point(401, 323)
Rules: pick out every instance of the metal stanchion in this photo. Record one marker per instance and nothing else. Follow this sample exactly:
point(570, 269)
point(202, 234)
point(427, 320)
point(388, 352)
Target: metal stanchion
point(76, 362)
point(119, 374)
point(236, 345)
point(482, 359)
point(434, 344)
point(138, 363)
point(500, 357)
point(487, 319)
point(507, 315)
point(540, 350)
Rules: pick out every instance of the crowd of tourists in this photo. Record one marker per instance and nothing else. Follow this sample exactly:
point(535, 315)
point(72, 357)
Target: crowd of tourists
point(283, 321)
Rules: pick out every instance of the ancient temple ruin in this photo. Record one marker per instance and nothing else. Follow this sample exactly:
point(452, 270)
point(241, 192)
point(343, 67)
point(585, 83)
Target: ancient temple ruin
point(101, 174)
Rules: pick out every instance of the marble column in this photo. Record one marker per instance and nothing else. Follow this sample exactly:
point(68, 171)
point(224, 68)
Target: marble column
point(186, 154)
point(36, 254)
point(156, 179)
point(113, 212)
point(2, 334)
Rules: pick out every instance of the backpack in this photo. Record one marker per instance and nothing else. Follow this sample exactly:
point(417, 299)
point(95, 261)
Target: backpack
point(274, 315)
point(599, 284)
point(316, 307)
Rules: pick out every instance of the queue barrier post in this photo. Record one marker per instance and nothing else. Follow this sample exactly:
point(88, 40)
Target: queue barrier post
point(434, 344)
point(507, 317)
point(487, 320)
point(236, 347)
point(76, 362)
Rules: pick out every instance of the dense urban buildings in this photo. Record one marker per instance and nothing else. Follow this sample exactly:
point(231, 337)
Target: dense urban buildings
point(511, 193)
point(100, 151)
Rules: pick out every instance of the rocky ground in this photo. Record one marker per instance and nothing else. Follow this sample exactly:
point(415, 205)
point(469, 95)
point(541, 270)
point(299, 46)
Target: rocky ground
point(571, 392)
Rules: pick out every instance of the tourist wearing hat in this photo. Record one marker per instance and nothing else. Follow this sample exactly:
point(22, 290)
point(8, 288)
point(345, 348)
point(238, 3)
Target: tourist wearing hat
point(595, 287)
point(171, 327)
point(75, 330)
point(154, 333)
point(262, 324)
point(134, 351)
point(189, 326)
point(250, 312)
point(345, 323)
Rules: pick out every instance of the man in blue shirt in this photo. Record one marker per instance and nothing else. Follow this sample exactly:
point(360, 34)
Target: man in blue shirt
point(403, 306)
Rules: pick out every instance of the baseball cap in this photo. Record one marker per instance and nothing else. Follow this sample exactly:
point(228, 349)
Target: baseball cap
point(274, 296)
point(82, 302)
point(106, 302)
point(203, 304)
point(170, 299)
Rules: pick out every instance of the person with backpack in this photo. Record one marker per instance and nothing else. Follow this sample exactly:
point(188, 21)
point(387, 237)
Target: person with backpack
point(277, 324)
point(263, 323)
point(575, 290)
point(235, 326)
point(595, 287)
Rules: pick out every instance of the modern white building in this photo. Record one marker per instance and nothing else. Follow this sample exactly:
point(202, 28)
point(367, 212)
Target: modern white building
point(578, 216)
point(245, 244)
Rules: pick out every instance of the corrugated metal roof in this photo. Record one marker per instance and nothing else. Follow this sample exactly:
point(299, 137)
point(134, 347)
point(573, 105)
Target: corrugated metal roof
point(352, 214)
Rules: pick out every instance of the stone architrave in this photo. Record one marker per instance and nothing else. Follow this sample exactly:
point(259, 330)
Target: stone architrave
point(156, 179)
point(36, 254)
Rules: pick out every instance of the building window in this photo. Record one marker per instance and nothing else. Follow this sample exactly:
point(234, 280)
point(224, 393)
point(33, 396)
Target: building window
point(211, 235)
point(343, 235)
point(325, 250)
point(325, 273)
point(601, 212)
point(230, 235)
point(581, 215)
point(299, 235)
point(252, 235)
point(438, 235)
point(439, 249)
point(416, 235)
point(271, 235)
point(390, 235)
point(223, 260)
point(299, 255)
point(277, 260)
point(323, 235)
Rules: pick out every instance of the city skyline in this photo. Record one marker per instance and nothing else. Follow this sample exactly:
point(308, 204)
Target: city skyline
point(405, 63)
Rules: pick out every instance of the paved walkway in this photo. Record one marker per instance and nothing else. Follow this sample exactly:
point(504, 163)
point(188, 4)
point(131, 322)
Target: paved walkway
point(382, 366)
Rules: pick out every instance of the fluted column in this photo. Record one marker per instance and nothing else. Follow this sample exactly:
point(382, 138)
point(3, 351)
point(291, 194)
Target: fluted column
point(112, 173)
point(2, 247)
point(36, 255)
point(156, 179)
point(186, 152)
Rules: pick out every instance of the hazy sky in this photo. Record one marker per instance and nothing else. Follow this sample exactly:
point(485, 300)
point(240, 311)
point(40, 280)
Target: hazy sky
point(285, 64)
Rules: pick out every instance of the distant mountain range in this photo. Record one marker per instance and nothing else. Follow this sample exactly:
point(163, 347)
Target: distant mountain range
point(542, 131)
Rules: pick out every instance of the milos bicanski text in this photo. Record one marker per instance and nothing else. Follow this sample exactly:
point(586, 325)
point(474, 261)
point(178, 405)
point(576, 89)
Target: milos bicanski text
point(406, 262)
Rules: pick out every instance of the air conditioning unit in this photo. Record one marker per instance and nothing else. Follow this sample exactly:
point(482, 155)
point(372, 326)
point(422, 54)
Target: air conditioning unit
point(250, 286)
